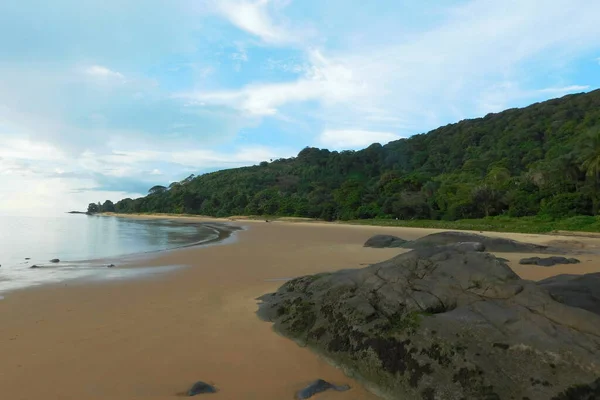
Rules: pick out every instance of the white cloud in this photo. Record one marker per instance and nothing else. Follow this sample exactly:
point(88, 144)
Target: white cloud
point(354, 138)
point(254, 18)
point(289, 65)
point(239, 57)
point(17, 148)
point(100, 72)
point(56, 182)
point(326, 81)
point(500, 96)
point(476, 61)
point(565, 89)
point(199, 159)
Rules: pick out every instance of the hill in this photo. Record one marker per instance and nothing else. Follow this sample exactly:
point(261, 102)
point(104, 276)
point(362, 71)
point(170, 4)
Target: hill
point(540, 160)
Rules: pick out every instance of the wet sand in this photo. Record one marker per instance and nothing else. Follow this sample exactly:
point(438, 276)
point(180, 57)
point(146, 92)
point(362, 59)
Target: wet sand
point(154, 337)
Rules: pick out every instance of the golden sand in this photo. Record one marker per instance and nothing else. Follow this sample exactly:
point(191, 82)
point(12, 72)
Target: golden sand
point(152, 338)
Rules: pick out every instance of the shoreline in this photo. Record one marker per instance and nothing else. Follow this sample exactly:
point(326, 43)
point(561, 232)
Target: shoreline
point(366, 223)
point(83, 271)
point(138, 338)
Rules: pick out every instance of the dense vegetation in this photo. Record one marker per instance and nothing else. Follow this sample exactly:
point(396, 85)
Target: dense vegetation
point(542, 160)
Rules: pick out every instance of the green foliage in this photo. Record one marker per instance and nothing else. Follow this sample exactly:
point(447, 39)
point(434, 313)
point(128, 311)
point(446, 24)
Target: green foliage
point(158, 189)
point(107, 206)
point(93, 208)
point(542, 160)
point(567, 205)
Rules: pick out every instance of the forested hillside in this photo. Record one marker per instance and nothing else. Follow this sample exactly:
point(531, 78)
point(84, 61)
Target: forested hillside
point(540, 160)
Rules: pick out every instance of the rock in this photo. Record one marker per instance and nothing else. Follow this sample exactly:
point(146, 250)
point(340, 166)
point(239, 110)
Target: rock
point(34, 266)
point(447, 322)
point(529, 261)
point(581, 291)
point(27, 258)
point(493, 244)
point(548, 262)
point(201, 388)
point(319, 386)
point(383, 241)
point(111, 265)
point(55, 260)
point(581, 392)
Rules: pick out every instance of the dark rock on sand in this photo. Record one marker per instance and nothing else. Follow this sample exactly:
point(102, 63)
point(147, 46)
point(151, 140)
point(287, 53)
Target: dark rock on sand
point(319, 386)
point(201, 388)
point(493, 244)
point(447, 322)
point(111, 265)
point(27, 258)
point(35, 266)
point(55, 260)
point(581, 291)
point(548, 261)
point(384, 241)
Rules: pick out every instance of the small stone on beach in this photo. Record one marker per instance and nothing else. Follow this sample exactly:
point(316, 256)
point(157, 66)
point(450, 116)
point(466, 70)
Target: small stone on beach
point(201, 388)
point(111, 265)
point(55, 260)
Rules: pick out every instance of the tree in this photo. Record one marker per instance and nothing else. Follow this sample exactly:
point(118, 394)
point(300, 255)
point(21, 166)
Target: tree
point(108, 206)
point(93, 208)
point(158, 189)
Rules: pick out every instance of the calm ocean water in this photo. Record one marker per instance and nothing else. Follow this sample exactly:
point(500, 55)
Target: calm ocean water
point(82, 243)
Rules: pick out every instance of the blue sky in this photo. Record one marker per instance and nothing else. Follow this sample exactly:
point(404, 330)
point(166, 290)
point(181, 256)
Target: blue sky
point(103, 99)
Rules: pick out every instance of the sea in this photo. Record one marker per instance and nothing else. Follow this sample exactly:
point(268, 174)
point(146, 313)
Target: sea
point(85, 246)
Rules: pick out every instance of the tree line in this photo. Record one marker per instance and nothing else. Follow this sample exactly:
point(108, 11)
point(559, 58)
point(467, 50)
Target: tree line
point(540, 160)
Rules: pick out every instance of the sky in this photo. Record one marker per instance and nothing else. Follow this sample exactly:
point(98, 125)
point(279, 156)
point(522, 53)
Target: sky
point(104, 99)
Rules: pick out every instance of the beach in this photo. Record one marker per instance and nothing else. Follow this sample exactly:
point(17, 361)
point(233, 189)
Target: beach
point(154, 336)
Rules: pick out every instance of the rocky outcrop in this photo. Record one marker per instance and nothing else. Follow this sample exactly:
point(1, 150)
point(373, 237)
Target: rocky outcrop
point(548, 261)
point(447, 322)
point(581, 291)
point(384, 241)
point(494, 244)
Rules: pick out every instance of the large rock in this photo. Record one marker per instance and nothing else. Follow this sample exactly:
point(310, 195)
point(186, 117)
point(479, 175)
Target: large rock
point(493, 244)
point(581, 291)
point(444, 322)
point(384, 241)
point(548, 261)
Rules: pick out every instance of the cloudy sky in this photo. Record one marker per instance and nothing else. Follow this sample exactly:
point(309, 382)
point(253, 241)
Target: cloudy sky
point(103, 99)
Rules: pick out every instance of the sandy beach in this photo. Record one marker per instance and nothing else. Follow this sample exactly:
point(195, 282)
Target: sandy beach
point(154, 337)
